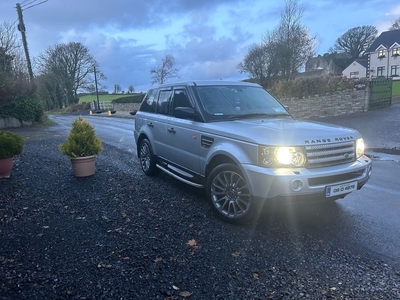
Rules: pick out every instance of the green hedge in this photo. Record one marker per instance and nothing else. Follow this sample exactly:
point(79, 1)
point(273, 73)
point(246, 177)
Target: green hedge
point(396, 88)
point(136, 98)
point(305, 87)
point(27, 108)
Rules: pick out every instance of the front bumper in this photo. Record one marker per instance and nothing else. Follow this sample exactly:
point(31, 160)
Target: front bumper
point(268, 183)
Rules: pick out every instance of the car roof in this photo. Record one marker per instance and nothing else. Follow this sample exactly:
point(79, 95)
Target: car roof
point(210, 83)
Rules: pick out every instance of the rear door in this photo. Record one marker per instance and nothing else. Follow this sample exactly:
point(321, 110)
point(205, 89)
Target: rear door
point(158, 123)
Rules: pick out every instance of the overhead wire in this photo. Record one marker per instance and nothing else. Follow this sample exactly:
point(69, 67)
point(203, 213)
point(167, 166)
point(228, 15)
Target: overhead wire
point(25, 8)
point(22, 5)
point(23, 2)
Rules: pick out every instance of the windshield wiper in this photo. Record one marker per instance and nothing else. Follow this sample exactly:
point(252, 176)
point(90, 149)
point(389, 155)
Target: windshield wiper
point(245, 116)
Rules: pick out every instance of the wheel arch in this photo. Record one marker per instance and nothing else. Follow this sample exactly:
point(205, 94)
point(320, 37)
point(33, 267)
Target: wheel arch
point(218, 160)
point(141, 137)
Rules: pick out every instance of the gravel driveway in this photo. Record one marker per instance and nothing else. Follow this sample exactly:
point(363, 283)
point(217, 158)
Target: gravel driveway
point(115, 235)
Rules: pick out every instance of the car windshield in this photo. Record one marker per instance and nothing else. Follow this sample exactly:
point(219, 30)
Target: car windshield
point(238, 102)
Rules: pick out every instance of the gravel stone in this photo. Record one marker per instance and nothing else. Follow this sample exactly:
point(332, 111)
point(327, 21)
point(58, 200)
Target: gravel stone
point(115, 235)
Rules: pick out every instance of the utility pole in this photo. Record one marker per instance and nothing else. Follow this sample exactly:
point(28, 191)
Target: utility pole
point(97, 93)
point(21, 27)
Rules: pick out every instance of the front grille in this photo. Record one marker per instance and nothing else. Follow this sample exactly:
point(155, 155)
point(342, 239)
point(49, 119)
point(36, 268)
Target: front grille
point(330, 154)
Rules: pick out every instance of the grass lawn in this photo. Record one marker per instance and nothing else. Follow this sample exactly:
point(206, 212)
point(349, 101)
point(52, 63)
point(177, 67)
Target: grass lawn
point(396, 88)
point(91, 98)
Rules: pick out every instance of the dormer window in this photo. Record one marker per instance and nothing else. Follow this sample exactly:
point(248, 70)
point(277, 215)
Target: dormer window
point(396, 51)
point(381, 53)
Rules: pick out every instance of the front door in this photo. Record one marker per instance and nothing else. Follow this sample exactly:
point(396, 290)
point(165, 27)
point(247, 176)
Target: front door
point(183, 137)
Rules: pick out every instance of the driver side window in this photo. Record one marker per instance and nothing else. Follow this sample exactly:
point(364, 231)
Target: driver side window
point(180, 99)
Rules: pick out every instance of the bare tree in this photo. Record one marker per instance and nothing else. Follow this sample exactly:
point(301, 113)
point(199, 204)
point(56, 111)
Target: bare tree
point(117, 88)
point(10, 44)
point(8, 38)
point(283, 51)
point(50, 91)
point(292, 40)
point(259, 62)
point(356, 40)
point(395, 24)
point(131, 89)
point(165, 71)
point(5, 62)
point(72, 66)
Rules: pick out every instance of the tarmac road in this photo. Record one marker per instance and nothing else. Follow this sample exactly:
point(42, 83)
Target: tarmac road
point(380, 128)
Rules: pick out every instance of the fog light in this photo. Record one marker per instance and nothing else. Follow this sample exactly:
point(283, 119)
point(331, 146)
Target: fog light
point(296, 185)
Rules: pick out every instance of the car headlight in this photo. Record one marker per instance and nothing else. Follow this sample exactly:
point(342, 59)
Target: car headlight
point(360, 147)
point(281, 156)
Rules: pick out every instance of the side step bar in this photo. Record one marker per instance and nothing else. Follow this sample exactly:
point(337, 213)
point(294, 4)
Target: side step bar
point(179, 178)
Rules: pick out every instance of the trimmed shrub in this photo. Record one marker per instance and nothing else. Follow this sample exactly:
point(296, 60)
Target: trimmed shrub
point(10, 144)
point(82, 140)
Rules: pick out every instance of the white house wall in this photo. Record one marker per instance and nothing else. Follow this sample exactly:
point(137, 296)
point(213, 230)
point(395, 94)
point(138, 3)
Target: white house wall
point(354, 68)
point(387, 62)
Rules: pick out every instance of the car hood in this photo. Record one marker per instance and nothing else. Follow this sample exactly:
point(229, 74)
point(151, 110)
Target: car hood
point(283, 131)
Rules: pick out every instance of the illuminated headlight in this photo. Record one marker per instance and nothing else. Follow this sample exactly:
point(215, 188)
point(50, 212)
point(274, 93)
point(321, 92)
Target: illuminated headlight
point(360, 148)
point(281, 156)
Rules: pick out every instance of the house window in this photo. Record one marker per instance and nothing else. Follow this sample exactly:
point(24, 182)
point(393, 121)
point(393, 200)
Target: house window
point(380, 71)
point(381, 53)
point(354, 74)
point(395, 51)
point(395, 71)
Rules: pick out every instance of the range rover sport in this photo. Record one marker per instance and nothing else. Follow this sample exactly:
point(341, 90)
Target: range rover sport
point(240, 143)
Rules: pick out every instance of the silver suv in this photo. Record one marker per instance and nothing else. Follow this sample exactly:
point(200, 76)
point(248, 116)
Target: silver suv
point(239, 143)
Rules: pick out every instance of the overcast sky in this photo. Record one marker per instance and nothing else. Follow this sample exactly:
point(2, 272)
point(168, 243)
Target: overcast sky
point(208, 38)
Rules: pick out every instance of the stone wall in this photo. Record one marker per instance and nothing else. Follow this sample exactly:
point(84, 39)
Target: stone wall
point(10, 122)
point(337, 104)
point(126, 106)
point(395, 99)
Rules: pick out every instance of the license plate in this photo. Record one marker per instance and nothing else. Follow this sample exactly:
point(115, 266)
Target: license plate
point(340, 189)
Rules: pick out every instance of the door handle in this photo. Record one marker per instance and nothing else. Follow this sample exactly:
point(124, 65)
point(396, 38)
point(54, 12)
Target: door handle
point(171, 130)
point(150, 125)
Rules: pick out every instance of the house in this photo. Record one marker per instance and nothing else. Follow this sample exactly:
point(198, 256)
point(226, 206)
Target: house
point(357, 69)
point(325, 65)
point(384, 56)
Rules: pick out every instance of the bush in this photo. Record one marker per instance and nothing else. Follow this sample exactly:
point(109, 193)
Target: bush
point(18, 99)
point(82, 140)
point(10, 144)
point(308, 87)
point(77, 107)
point(28, 109)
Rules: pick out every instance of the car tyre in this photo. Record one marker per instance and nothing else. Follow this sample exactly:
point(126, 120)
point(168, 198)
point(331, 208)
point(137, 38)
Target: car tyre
point(147, 158)
point(229, 194)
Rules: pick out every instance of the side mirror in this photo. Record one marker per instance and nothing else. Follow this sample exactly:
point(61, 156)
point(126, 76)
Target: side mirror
point(185, 113)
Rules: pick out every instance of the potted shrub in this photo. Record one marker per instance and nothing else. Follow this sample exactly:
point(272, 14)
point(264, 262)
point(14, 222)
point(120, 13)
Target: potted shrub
point(10, 144)
point(82, 146)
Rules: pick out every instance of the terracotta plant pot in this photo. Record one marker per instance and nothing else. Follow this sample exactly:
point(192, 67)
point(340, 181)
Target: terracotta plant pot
point(83, 166)
point(5, 167)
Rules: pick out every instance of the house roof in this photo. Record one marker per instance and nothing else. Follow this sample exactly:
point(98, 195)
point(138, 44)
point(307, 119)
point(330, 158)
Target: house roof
point(386, 39)
point(362, 61)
